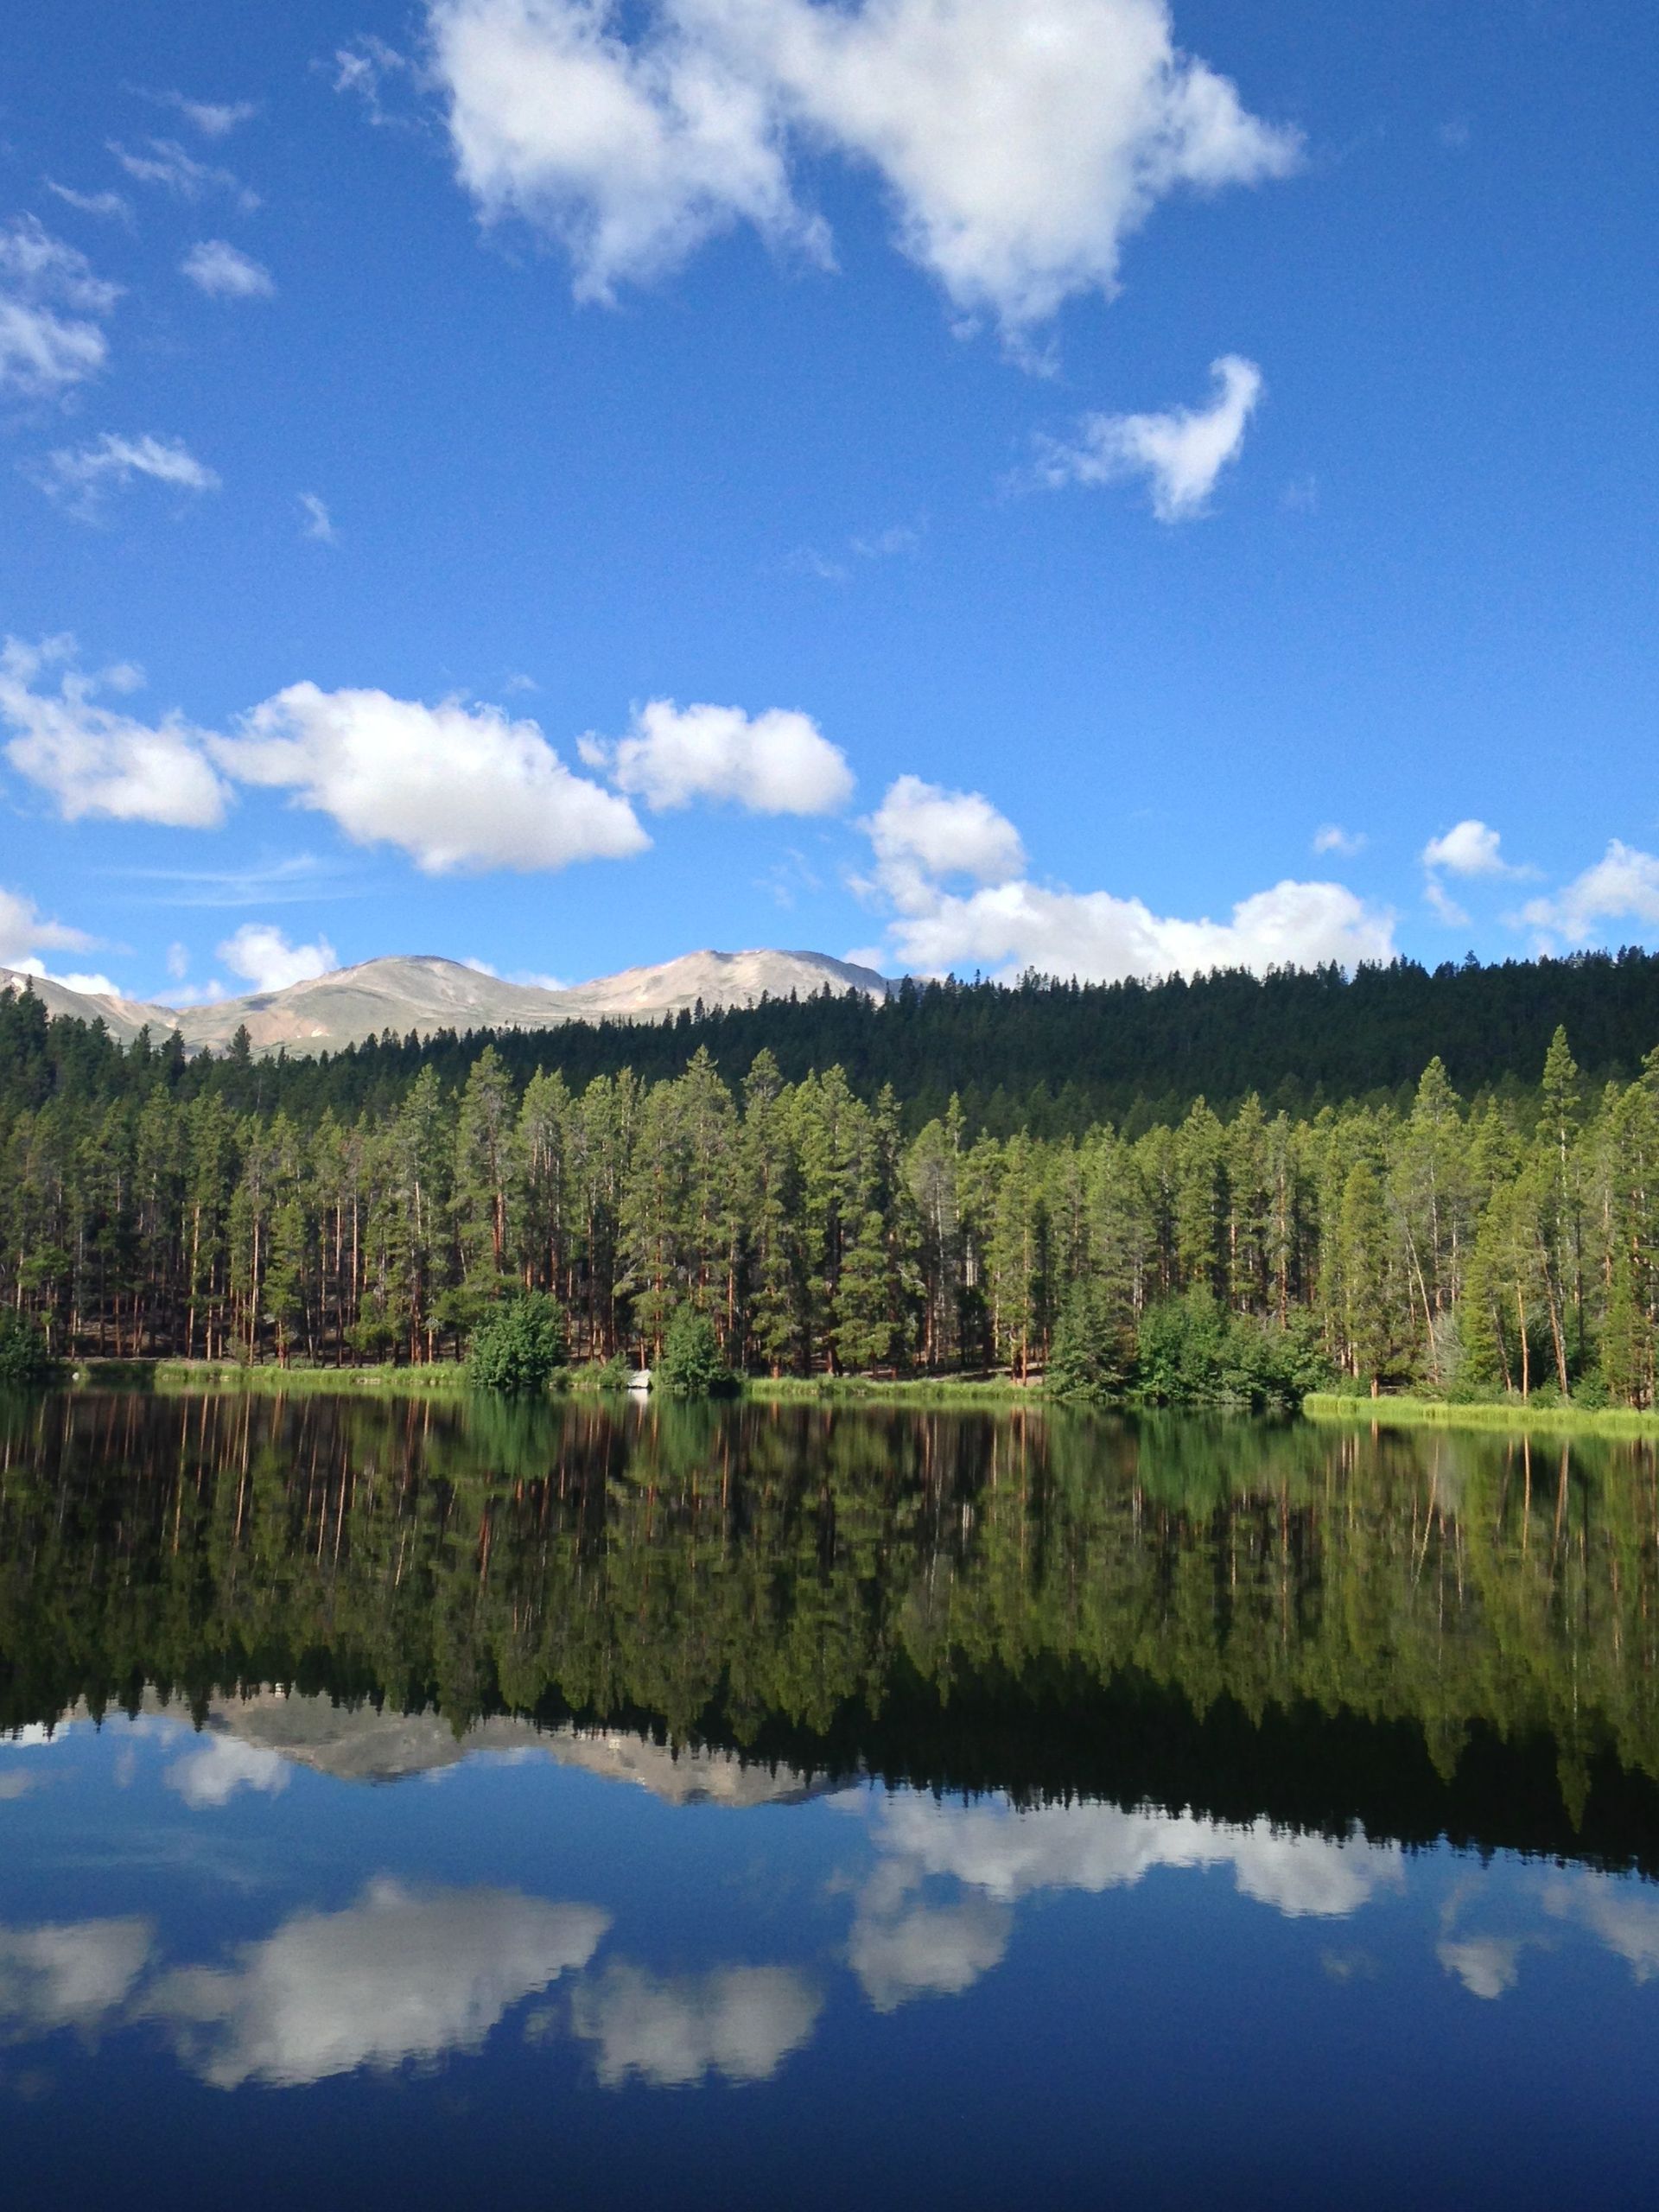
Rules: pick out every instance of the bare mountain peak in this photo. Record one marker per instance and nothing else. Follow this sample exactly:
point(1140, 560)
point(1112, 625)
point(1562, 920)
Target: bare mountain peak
point(428, 991)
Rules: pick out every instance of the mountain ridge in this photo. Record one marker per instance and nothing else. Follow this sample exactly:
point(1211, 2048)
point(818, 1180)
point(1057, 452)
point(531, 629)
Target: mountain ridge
point(426, 992)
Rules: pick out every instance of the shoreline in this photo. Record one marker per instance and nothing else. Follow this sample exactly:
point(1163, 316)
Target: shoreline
point(994, 1393)
point(1510, 1414)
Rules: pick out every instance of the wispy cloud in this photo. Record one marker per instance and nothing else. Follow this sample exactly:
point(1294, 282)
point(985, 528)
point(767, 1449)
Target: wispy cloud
point(213, 118)
point(164, 163)
point(51, 311)
point(900, 541)
point(108, 206)
point(79, 476)
point(319, 522)
point(224, 272)
point(295, 879)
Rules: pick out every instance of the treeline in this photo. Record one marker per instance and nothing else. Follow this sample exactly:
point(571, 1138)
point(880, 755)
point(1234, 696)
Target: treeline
point(1045, 1057)
point(1507, 1243)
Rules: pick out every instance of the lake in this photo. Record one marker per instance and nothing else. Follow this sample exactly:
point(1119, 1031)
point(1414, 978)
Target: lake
point(426, 1802)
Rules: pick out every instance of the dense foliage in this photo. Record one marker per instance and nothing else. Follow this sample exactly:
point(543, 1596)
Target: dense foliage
point(520, 1344)
point(1508, 1241)
point(692, 1364)
point(25, 1360)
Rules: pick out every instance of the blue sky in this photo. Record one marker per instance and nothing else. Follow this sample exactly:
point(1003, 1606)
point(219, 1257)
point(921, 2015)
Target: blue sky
point(971, 482)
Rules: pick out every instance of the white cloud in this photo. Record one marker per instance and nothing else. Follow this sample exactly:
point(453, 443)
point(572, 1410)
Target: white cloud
point(79, 475)
point(1181, 454)
point(75, 1974)
point(92, 982)
point(630, 158)
point(320, 524)
point(109, 206)
point(213, 118)
point(1100, 937)
point(52, 307)
point(399, 1975)
point(212, 1773)
point(778, 762)
point(456, 787)
point(263, 956)
point(1469, 848)
point(94, 761)
point(178, 962)
point(24, 934)
point(1622, 885)
point(741, 2022)
point(224, 272)
point(923, 835)
point(165, 162)
point(1332, 838)
point(1020, 143)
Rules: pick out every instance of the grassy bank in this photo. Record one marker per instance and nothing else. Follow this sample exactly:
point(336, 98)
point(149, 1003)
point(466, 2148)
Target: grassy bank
point(924, 1393)
point(175, 1375)
point(449, 1377)
point(1507, 1414)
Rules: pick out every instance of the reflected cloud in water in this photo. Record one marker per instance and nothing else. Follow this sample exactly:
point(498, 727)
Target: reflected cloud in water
point(212, 1775)
point(740, 2021)
point(78, 1975)
point(1624, 1918)
point(401, 1974)
point(903, 1946)
point(927, 1951)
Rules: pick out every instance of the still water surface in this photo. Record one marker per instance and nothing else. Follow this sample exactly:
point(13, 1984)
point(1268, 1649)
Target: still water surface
point(413, 1803)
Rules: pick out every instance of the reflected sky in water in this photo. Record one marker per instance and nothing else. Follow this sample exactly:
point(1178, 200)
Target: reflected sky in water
point(357, 1956)
point(1150, 1814)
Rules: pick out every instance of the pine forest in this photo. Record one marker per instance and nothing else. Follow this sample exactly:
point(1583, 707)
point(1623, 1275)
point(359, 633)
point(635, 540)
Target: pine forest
point(1501, 1239)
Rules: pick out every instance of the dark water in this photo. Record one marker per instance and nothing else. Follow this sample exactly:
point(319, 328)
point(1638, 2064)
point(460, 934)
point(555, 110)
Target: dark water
point(408, 1804)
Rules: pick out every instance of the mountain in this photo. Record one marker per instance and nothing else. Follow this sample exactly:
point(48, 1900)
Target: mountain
point(424, 993)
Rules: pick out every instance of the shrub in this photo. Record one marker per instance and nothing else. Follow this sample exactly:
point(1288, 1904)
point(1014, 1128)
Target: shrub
point(1193, 1352)
point(25, 1363)
point(518, 1345)
point(1086, 1358)
point(692, 1364)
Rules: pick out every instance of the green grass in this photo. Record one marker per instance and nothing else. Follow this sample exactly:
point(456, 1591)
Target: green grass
point(442, 1378)
point(1506, 1414)
point(171, 1376)
point(923, 1392)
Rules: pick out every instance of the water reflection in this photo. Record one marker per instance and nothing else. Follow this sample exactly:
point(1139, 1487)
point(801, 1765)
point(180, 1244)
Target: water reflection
point(741, 2022)
point(398, 1976)
point(1426, 1634)
point(586, 1758)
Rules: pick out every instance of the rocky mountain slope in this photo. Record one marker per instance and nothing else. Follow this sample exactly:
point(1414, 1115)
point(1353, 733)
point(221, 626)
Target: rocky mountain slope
point(424, 993)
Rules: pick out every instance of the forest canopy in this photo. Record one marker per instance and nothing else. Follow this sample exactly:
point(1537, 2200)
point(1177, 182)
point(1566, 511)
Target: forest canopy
point(1485, 1220)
